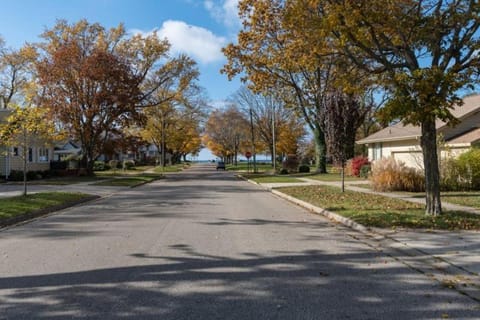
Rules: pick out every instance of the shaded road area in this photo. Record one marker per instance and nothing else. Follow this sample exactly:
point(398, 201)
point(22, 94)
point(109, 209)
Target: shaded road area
point(203, 245)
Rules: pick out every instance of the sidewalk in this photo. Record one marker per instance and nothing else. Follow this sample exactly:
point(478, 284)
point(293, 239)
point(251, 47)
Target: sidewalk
point(451, 257)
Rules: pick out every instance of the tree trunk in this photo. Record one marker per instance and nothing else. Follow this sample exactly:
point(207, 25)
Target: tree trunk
point(343, 176)
point(430, 161)
point(25, 173)
point(320, 150)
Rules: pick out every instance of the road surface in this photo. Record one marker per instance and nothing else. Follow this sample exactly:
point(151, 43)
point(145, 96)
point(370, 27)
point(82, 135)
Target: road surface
point(205, 245)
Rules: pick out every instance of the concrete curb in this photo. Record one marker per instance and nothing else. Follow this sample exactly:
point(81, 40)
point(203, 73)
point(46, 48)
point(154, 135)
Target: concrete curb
point(332, 216)
point(43, 212)
point(444, 271)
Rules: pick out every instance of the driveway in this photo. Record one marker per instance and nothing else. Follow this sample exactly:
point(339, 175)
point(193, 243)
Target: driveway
point(204, 245)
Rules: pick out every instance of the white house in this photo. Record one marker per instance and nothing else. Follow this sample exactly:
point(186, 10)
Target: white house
point(403, 141)
point(39, 155)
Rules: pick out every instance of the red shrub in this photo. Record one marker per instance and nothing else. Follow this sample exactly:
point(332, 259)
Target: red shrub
point(357, 163)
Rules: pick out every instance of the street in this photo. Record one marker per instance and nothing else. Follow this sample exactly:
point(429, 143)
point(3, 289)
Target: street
point(203, 244)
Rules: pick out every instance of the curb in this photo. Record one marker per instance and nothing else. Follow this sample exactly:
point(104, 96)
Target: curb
point(43, 212)
point(443, 271)
point(332, 216)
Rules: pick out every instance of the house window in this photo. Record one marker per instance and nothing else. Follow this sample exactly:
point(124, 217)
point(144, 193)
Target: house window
point(377, 151)
point(42, 155)
point(15, 151)
point(30, 155)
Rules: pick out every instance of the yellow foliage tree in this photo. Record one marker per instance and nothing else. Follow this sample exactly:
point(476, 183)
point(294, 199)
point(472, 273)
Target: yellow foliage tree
point(24, 128)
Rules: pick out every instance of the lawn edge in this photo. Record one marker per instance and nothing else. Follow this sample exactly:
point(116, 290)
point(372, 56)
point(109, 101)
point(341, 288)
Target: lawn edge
point(43, 212)
point(330, 215)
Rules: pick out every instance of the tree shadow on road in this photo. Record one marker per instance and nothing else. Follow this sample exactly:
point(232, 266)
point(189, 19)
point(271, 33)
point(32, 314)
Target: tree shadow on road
point(303, 285)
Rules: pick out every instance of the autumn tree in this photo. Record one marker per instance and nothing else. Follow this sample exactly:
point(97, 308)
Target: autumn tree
point(271, 117)
point(424, 52)
point(93, 79)
point(226, 131)
point(173, 90)
point(275, 57)
point(183, 137)
point(342, 117)
point(16, 67)
point(24, 128)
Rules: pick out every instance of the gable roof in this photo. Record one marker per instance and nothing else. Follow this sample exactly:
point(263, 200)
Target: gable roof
point(399, 131)
point(468, 137)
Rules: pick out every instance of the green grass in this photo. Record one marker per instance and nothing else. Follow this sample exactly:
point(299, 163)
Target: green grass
point(244, 167)
point(333, 177)
point(173, 168)
point(14, 206)
point(275, 179)
point(382, 212)
point(128, 181)
point(467, 198)
point(362, 185)
point(462, 198)
point(63, 180)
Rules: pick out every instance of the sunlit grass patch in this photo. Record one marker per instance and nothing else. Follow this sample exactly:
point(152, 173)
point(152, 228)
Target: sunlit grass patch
point(379, 211)
point(14, 206)
point(128, 181)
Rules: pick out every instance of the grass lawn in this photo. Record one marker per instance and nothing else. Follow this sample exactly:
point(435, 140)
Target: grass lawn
point(362, 185)
point(382, 212)
point(274, 179)
point(128, 181)
point(462, 198)
point(468, 198)
point(244, 167)
point(14, 206)
point(173, 168)
point(334, 177)
point(60, 181)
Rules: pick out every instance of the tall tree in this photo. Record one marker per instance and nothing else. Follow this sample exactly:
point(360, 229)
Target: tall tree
point(422, 51)
point(16, 68)
point(226, 131)
point(342, 117)
point(175, 91)
point(270, 60)
point(93, 79)
point(273, 53)
point(273, 121)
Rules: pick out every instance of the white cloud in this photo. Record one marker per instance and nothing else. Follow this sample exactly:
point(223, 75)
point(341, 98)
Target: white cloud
point(225, 12)
point(199, 43)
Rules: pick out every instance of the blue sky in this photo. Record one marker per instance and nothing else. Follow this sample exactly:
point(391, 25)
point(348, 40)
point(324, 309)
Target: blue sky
point(199, 28)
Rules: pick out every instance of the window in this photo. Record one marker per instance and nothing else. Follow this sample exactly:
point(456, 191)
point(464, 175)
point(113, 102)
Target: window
point(42, 155)
point(377, 151)
point(30, 155)
point(15, 151)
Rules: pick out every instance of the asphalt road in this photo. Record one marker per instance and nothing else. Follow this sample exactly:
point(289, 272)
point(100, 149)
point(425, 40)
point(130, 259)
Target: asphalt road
point(204, 245)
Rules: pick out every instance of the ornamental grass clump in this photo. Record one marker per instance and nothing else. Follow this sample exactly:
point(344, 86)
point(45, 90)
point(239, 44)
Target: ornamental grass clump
point(389, 174)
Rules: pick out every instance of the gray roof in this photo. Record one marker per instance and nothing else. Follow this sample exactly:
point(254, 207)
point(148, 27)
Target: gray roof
point(468, 137)
point(399, 131)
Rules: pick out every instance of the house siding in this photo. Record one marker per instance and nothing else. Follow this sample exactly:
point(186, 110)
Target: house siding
point(410, 152)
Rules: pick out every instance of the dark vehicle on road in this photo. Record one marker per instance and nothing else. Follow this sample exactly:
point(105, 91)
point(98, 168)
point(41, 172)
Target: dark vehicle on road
point(220, 165)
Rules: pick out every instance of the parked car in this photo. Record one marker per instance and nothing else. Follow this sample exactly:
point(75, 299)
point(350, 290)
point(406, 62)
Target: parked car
point(220, 165)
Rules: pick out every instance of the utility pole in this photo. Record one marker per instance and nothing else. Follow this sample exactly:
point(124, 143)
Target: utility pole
point(253, 142)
